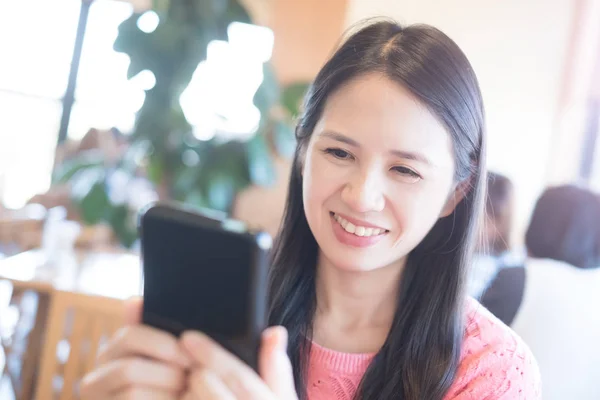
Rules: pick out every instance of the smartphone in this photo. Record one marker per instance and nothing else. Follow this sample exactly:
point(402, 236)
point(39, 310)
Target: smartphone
point(204, 272)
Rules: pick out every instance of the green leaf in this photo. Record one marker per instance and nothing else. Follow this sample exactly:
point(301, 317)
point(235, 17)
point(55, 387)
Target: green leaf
point(267, 94)
point(82, 181)
point(135, 156)
point(292, 97)
point(260, 163)
point(184, 182)
point(196, 198)
point(135, 43)
point(221, 192)
point(224, 172)
point(172, 52)
point(210, 10)
point(68, 169)
point(178, 122)
point(284, 139)
point(89, 193)
point(155, 169)
point(123, 223)
point(160, 6)
point(168, 36)
point(236, 12)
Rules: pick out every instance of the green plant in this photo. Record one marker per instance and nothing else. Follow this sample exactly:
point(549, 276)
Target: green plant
point(162, 136)
point(103, 192)
point(172, 53)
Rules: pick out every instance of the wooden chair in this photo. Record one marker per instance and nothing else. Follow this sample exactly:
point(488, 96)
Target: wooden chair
point(78, 325)
point(21, 341)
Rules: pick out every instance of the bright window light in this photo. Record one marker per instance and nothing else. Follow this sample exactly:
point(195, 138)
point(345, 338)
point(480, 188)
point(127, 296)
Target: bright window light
point(219, 97)
point(145, 80)
point(251, 40)
point(148, 21)
point(105, 98)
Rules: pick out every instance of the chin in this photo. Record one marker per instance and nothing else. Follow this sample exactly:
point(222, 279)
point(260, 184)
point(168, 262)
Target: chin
point(352, 260)
point(352, 266)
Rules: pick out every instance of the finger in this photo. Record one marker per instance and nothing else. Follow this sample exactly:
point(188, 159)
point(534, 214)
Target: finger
point(134, 372)
point(241, 380)
point(138, 393)
point(188, 396)
point(205, 352)
point(144, 394)
point(274, 364)
point(144, 341)
point(133, 310)
point(206, 385)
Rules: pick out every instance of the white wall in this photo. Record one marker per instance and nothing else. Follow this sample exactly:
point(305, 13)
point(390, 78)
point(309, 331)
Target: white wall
point(518, 50)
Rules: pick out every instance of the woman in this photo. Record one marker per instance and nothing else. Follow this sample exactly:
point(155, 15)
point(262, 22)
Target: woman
point(555, 298)
point(493, 251)
point(367, 276)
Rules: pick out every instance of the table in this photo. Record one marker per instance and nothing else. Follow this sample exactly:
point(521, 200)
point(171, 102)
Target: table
point(115, 274)
point(107, 274)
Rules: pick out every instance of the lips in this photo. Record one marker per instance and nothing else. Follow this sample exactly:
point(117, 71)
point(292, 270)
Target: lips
point(371, 235)
point(357, 228)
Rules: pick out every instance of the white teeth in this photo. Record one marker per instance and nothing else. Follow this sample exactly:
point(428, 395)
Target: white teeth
point(357, 230)
point(350, 228)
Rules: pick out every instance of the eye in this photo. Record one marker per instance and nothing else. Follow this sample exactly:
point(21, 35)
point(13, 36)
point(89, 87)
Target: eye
point(407, 173)
point(338, 153)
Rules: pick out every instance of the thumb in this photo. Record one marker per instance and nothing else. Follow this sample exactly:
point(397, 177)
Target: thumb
point(274, 364)
point(133, 310)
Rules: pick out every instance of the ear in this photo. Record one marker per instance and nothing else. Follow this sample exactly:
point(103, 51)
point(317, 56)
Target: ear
point(456, 196)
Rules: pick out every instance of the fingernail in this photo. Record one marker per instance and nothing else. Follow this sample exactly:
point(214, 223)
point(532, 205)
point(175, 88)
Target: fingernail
point(183, 360)
point(283, 339)
point(193, 339)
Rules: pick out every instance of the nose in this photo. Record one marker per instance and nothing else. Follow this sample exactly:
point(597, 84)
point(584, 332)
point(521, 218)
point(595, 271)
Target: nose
point(364, 193)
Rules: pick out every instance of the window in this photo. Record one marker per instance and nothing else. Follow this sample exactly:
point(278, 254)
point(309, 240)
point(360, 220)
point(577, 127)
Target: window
point(219, 96)
point(36, 50)
point(34, 73)
point(33, 78)
point(104, 98)
point(36, 46)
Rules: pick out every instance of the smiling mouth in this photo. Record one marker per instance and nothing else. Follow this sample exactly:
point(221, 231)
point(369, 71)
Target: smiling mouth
point(357, 230)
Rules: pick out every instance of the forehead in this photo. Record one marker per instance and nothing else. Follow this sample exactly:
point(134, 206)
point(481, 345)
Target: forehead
point(378, 112)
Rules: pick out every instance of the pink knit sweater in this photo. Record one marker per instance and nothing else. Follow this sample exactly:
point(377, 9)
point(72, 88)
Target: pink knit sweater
point(495, 364)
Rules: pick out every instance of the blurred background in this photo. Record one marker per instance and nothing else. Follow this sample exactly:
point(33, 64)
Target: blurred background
point(108, 105)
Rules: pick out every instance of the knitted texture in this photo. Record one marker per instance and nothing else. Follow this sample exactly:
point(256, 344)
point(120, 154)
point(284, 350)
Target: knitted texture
point(495, 364)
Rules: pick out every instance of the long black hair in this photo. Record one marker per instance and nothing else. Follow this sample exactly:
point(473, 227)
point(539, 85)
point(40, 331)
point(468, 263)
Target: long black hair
point(565, 226)
point(420, 356)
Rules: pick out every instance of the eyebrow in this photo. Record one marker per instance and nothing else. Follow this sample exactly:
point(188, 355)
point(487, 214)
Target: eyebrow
point(407, 155)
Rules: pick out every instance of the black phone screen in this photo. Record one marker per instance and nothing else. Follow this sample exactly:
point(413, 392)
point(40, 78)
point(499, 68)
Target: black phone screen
point(196, 278)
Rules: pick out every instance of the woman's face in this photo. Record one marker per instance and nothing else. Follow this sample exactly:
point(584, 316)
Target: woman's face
point(377, 174)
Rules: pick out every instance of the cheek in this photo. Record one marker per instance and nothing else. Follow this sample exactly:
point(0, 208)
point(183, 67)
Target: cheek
point(404, 204)
point(416, 208)
point(320, 180)
point(313, 188)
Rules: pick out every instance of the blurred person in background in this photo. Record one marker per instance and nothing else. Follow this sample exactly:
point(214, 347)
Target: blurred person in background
point(494, 250)
point(554, 303)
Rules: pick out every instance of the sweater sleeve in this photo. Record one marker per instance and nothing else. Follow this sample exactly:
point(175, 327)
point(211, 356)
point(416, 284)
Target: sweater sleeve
point(496, 364)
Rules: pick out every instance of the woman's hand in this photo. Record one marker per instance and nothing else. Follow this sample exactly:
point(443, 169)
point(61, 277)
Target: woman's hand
point(139, 362)
point(218, 374)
